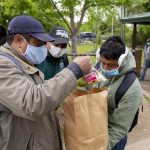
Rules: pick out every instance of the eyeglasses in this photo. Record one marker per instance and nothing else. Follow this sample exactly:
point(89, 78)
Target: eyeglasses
point(109, 65)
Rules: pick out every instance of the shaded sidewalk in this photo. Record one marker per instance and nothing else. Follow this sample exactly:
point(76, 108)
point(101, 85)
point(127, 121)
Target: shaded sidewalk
point(140, 145)
point(146, 83)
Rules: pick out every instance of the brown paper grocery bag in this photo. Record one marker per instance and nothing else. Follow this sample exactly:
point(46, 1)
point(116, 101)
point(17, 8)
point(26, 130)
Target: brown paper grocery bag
point(86, 120)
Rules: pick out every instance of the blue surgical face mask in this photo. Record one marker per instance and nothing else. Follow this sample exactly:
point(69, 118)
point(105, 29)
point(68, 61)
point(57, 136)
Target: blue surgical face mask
point(110, 73)
point(35, 55)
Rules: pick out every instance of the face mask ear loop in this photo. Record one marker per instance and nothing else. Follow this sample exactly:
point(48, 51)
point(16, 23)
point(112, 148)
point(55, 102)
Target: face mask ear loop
point(21, 51)
point(20, 48)
point(25, 40)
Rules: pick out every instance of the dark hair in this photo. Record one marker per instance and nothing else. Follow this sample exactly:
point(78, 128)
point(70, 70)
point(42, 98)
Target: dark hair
point(10, 38)
point(112, 48)
point(2, 35)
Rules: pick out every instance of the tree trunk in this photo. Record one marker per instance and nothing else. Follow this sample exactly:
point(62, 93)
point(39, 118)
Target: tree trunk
point(134, 36)
point(75, 28)
point(74, 43)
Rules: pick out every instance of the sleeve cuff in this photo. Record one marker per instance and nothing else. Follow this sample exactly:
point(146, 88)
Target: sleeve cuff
point(75, 70)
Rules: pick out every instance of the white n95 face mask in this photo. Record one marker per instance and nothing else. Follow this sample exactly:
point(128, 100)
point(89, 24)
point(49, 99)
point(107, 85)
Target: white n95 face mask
point(55, 51)
point(63, 51)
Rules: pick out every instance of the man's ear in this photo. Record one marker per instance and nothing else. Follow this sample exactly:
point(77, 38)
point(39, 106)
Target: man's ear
point(18, 39)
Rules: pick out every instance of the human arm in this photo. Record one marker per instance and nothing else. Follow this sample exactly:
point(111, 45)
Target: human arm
point(28, 100)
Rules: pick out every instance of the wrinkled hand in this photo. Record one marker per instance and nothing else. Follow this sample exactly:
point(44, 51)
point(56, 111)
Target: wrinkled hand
point(84, 62)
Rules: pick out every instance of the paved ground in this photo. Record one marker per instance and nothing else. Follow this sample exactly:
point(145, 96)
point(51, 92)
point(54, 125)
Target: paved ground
point(146, 83)
point(139, 139)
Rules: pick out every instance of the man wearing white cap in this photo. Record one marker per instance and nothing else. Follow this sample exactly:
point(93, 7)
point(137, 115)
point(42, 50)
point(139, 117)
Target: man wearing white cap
point(56, 59)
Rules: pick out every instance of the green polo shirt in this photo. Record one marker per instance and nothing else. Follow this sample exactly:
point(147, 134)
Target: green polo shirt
point(51, 66)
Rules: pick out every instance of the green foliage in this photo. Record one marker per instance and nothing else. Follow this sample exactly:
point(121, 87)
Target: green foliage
point(11, 8)
point(128, 36)
point(146, 6)
point(143, 34)
point(40, 9)
point(99, 12)
point(136, 7)
point(85, 49)
point(143, 31)
point(100, 21)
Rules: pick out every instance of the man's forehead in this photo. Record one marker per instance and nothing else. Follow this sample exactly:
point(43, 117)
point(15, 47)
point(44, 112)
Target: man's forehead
point(36, 41)
point(104, 60)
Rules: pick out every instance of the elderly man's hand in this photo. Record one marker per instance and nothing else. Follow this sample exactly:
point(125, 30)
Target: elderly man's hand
point(84, 62)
